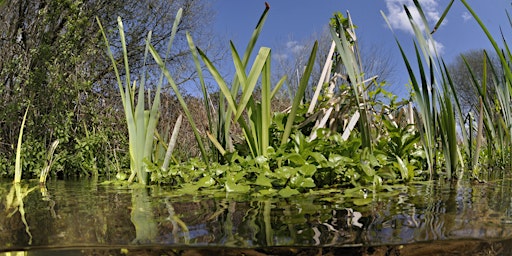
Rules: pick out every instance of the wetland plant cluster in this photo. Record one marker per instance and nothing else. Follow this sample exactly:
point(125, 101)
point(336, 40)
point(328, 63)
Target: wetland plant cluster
point(351, 134)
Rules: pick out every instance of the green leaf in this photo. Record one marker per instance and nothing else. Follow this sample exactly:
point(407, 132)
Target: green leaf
point(402, 168)
point(205, 182)
point(285, 172)
point(307, 170)
point(295, 158)
point(288, 192)
point(233, 187)
point(263, 180)
point(362, 201)
point(189, 189)
point(302, 182)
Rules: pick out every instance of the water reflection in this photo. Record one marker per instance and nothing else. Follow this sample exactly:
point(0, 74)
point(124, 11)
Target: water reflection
point(84, 214)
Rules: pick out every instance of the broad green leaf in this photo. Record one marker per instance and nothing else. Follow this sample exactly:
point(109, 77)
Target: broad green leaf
point(189, 189)
point(263, 180)
point(285, 172)
point(232, 187)
point(307, 170)
point(302, 182)
point(362, 201)
point(205, 182)
point(402, 168)
point(288, 192)
point(295, 158)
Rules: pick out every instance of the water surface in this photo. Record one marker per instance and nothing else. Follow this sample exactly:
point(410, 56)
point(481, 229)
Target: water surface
point(71, 217)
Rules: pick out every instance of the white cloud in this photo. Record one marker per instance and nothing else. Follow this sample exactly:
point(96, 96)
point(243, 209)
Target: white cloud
point(294, 46)
point(279, 56)
point(466, 16)
point(435, 46)
point(398, 18)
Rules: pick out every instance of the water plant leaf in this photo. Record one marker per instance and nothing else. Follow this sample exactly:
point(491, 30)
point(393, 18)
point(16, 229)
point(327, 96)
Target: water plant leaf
point(295, 158)
point(263, 180)
point(189, 188)
point(288, 192)
point(285, 172)
point(362, 201)
point(205, 182)
point(232, 187)
point(302, 182)
point(307, 170)
point(402, 168)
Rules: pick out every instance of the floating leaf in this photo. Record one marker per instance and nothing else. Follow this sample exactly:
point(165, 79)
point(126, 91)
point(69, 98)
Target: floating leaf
point(287, 192)
point(263, 180)
point(189, 189)
point(205, 182)
point(362, 201)
point(233, 187)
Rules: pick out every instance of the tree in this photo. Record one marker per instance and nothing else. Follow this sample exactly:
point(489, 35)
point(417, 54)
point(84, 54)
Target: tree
point(466, 91)
point(52, 58)
point(375, 62)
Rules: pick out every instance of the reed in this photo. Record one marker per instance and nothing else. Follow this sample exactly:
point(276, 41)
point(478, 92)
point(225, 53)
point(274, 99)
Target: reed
point(435, 99)
point(17, 164)
point(237, 101)
point(141, 122)
point(345, 40)
point(49, 162)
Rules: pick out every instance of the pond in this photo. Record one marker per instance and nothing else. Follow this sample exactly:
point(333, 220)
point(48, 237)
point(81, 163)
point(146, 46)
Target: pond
point(87, 218)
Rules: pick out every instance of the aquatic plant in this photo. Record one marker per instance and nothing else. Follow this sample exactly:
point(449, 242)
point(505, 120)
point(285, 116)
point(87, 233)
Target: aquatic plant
point(17, 167)
point(256, 129)
point(48, 163)
point(496, 109)
point(141, 123)
point(434, 97)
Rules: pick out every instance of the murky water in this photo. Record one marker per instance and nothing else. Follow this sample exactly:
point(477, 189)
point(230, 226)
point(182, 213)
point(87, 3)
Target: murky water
point(75, 218)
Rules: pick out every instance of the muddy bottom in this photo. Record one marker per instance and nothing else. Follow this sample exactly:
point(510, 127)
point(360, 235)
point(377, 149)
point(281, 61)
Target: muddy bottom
point(471, 247)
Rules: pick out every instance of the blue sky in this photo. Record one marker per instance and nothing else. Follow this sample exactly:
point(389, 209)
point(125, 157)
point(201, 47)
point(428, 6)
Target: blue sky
point(292, 21)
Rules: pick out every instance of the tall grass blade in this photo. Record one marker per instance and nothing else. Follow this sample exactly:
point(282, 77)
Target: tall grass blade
point(445, 12)
point(49, 161)
point(300, 94)
point(182, 102)
point(206, 95)
point(347, 52)
point(17, 164)
point(504, 63)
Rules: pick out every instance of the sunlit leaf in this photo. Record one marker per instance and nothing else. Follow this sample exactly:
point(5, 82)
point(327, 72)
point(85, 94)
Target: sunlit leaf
point(205, 182)
point(302, 182)
point(285, 172)
point(263, 180)
point(362, 201)
point(295, 158)
point(233, 187)
point(288, 192)
point(307, 170)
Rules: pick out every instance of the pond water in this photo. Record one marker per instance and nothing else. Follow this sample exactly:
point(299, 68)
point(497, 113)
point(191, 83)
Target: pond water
point(86, 218)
